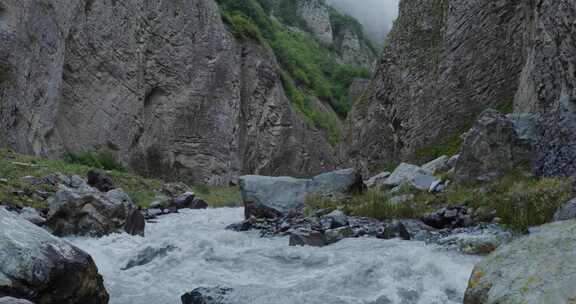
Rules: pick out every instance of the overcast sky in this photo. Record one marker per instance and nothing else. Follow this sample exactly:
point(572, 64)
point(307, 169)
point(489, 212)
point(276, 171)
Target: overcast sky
point(376, 15)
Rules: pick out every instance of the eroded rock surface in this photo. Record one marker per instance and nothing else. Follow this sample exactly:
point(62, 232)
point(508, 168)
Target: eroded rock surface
point(171, 94)
point(539, 268)
point(37, 266)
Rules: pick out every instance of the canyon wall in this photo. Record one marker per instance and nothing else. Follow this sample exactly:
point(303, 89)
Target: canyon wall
point(162, 85)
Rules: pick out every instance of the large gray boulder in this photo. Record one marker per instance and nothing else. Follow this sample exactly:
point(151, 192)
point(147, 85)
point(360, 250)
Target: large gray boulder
point(40, 267)
point(83, 210)
point(265, 196)
point(536, 269)
point(411, 175)
point(490, 148)
point(566, 212)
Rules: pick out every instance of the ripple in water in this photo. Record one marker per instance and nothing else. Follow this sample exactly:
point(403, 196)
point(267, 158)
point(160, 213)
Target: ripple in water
point(267, 270)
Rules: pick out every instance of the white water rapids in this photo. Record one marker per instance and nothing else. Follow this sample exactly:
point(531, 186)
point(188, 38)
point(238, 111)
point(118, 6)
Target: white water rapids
point(268, 271)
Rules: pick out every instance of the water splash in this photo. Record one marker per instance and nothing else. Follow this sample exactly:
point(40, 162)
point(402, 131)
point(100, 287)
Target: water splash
point(267, 270)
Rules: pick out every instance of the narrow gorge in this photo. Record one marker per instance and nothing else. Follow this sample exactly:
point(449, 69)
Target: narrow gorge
point(287, 151)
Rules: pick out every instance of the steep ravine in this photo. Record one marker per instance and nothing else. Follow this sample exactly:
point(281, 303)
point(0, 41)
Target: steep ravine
point(447, 60)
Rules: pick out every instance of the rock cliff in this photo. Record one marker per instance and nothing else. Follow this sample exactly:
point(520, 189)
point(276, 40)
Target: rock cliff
point(444, 62)
point(447, 60)
point(162, 85)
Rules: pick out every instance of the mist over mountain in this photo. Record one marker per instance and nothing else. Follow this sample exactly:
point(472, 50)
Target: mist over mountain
point(376, 16)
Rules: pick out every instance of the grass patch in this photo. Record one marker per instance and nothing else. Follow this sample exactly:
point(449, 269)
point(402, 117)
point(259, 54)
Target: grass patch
point(521, 201)
point(97, 160)
point(219, 196)
point(143, 191)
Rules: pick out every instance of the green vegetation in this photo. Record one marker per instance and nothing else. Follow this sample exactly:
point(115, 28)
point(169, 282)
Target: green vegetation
point(448, 145)
point(519, 200)
point(310, 69)
point(96, 160)
point(242, 28)
point(143, 191)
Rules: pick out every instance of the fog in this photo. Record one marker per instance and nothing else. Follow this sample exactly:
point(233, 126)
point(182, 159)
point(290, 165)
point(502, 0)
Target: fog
point(376, 15)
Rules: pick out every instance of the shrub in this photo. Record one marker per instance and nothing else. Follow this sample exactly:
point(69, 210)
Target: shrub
point(97, 160)
point(242, 28)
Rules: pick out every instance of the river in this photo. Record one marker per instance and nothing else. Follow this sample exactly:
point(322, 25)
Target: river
point(268, 271)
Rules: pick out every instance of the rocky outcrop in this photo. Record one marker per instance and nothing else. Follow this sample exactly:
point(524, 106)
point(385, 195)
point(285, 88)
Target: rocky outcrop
point(315, 14)
point(566, 212)
point(171, 94)
point(37, 266)
point(271, 197)
point(491, 148)
point(539, 268)
point(82, 210)
point(202, 295)
point(548, 84)
point(445, 62)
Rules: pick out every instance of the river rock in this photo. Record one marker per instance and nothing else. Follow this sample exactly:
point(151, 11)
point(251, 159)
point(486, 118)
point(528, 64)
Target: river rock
point(135, 223)
point(337, 219)
point(395, 229)
point(149, 254)
point(202, 295)
point(43, 268)
point(449, 217)
point(32, 215)
point(535, 269)
point(10, 300)
point(404, 173)
point(307, 238)
point(377, 180)
point(100, 181)
point(567, 212)
point(270, 197)
point(438, 165)
point(481, 241)
point(490, 148)
point(84, 210)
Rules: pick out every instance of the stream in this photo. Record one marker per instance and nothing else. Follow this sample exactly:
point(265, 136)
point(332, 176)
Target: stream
point(201, 253)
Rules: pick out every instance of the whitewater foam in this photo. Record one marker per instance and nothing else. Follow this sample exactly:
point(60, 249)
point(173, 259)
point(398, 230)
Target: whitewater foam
point(267, 270)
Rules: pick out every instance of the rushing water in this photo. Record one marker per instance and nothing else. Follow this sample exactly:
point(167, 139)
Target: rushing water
point(268, 271)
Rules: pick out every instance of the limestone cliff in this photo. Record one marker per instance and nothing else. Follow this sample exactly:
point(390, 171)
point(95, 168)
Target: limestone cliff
point(447, 60)
point(161, 84)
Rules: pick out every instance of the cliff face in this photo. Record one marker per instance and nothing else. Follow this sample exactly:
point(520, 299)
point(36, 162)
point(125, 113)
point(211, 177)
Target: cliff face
point(445, 61)
point(163, 85)
point(548, 84)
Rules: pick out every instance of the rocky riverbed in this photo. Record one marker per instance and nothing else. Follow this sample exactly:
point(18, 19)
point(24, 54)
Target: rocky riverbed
point(192, 249)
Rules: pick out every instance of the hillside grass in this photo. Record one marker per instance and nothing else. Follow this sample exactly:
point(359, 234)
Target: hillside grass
point(521, 201)
point(309, 69)
point(143, 191)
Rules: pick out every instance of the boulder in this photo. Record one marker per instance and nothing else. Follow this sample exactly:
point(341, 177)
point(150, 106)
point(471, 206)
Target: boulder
point(395, 229)
point(135, 223)
point(44, 269)
point(449, 217)
point(377, 180)
point(215, 295)
point(336, 219)
point(182, 201)
point(410, 174)
point(147, 255)
point(480, 242)
point(438, 165)
point(567, 212)
point(10, 300)
point(307, 238)
point(33, 216)
point(271, 197)
point(490, 148)
point(86, 211)
point(100, 181)
point(535, 269)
